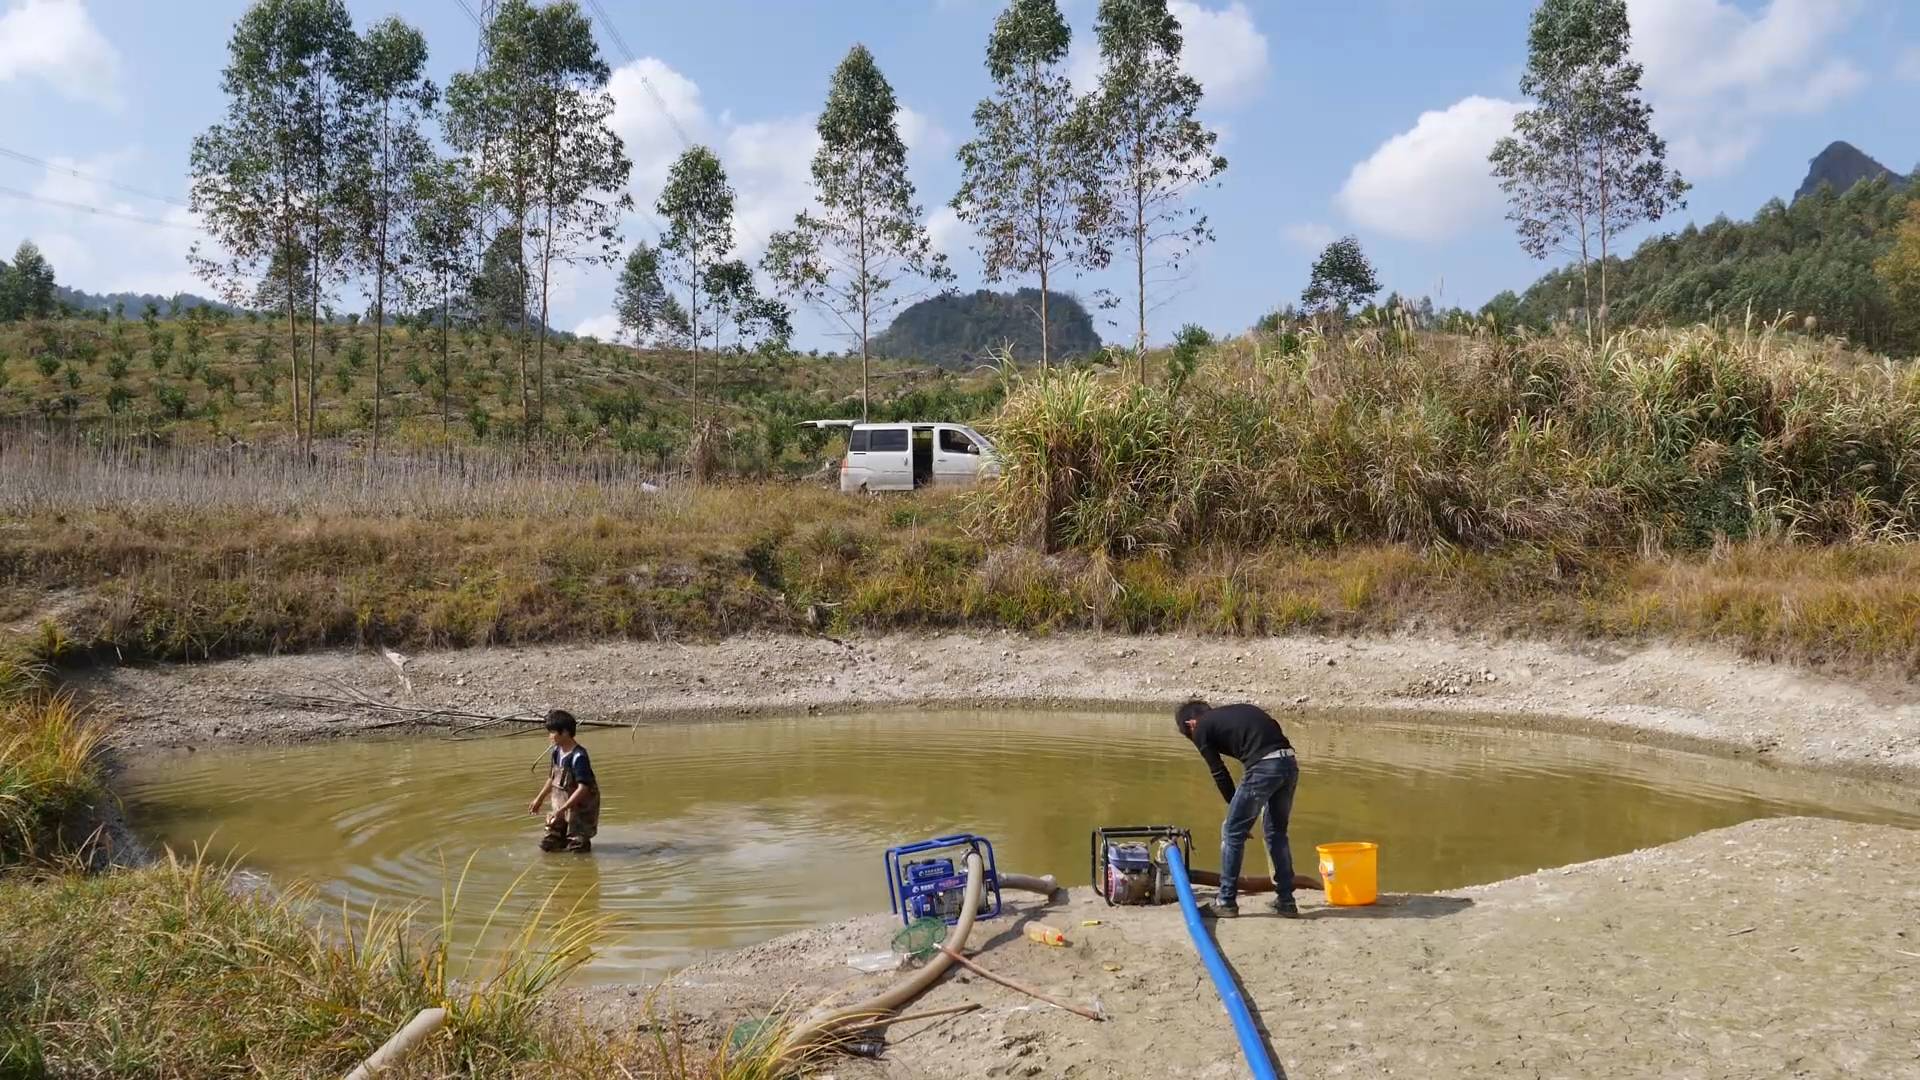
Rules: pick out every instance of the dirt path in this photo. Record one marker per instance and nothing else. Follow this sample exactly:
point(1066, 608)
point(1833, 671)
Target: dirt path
point(1776, 948)
point(1667, 694)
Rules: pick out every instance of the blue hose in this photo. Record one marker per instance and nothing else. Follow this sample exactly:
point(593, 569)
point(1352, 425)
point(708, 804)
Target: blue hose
point(1223, 981)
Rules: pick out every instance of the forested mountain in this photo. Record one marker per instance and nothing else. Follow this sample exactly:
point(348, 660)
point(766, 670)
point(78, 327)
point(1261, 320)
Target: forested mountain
point(1813, 257)
point(1840, 166)
point(964, 328)
point(132, 304)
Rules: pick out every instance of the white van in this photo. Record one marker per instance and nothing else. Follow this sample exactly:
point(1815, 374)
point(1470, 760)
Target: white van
point(906, 456)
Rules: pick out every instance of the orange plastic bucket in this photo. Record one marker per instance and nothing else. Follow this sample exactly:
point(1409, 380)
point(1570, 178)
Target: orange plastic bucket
point(1350, 872)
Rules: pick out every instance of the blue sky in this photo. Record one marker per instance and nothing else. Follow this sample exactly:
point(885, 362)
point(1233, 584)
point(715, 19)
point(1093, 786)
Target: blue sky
point(1370, 117)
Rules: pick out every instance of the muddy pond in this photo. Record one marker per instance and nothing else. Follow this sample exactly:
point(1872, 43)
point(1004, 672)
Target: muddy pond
point(720, 834)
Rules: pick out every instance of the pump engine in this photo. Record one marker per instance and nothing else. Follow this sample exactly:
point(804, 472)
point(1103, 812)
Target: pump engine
point(1130, 863)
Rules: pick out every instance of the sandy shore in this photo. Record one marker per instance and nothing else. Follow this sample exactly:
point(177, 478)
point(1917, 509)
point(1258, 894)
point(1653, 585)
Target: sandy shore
point(1775, 948)
point(1692, 698)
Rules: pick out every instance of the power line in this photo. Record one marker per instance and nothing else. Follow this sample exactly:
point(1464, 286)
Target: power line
point(98, 211)
point(606, 23)
point(29, 159)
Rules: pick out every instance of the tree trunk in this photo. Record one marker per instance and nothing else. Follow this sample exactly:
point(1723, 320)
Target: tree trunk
point(1041, 159)
point(1580, 219)
point(1600, 179)
point(865, 304)
point(446, 370)
point(313, 339)
point(293, 337)
point(540, 355)
point(1140, 271)
point(520, 340)
point(693, 337)
point(380, 292)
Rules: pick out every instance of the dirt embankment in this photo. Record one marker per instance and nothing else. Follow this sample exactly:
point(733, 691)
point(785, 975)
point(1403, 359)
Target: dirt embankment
point(1668, 694)
point(1776, 948)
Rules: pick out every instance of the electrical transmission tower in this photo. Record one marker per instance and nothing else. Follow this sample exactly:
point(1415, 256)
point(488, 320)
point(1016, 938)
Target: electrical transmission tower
point(488, 9)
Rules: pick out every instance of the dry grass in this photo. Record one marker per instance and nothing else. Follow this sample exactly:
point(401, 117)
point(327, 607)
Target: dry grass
point(700, 564)
point(70, 471)
point(50, 782)
point(1654, 440)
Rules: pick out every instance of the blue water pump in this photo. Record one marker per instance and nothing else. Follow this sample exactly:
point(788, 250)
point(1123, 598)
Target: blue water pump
point(935, 884)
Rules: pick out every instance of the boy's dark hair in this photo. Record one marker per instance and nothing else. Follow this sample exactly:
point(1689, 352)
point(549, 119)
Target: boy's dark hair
point(1189, 710)
point(562, 721)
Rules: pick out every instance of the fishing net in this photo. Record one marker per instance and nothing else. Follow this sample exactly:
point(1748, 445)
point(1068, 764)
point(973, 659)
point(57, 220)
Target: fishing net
point(751, 1034)
point(920, 939)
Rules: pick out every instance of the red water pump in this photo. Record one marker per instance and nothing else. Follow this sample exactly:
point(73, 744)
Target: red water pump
point(1130, 863)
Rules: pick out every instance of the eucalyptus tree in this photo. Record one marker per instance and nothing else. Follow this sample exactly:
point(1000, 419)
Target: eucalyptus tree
point(1151, 152)
point(697, 204)
point(755, 321)
point(647, 311)
point(440, 244)
point(1584, 163)
point(850, 253)
point(536, 116)
point(394, 87)
point(276, 176)
point(1025, 172)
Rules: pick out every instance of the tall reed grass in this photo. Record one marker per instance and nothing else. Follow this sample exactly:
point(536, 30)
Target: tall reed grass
point(1654, 439)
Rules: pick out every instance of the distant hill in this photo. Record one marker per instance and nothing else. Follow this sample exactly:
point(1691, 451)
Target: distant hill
point(1813, 257)
point(135, 303)
point(965, 328)
point(1842, 165)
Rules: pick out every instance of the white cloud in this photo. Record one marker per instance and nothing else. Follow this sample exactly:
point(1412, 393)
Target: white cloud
point(652, 133)
point(56, 42)
point(600, 327)
point(947, 232)
point(1715, 72)
point(768, 162)
point(1222, 49)
point(923, 134)
point(1310, 235)
point(1907, 68)
point(1431, 182)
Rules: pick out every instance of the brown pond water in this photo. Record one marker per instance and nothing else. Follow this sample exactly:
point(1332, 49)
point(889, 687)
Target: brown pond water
point(718, 835)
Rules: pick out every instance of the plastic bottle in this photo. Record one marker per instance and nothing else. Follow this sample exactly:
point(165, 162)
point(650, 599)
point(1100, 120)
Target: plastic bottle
point(1046, 935)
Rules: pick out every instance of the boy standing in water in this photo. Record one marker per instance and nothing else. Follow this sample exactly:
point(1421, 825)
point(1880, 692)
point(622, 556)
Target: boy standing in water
point(575, 815)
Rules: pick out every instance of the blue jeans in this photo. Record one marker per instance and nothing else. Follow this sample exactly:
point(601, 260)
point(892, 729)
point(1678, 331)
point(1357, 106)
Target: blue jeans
point(1269, 786)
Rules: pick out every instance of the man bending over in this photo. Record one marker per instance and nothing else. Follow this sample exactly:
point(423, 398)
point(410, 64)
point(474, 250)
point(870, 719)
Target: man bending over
point(1268, 776)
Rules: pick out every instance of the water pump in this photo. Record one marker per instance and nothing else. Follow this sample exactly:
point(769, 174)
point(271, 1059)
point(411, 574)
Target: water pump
point(1130, 863)
point(933, 885)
